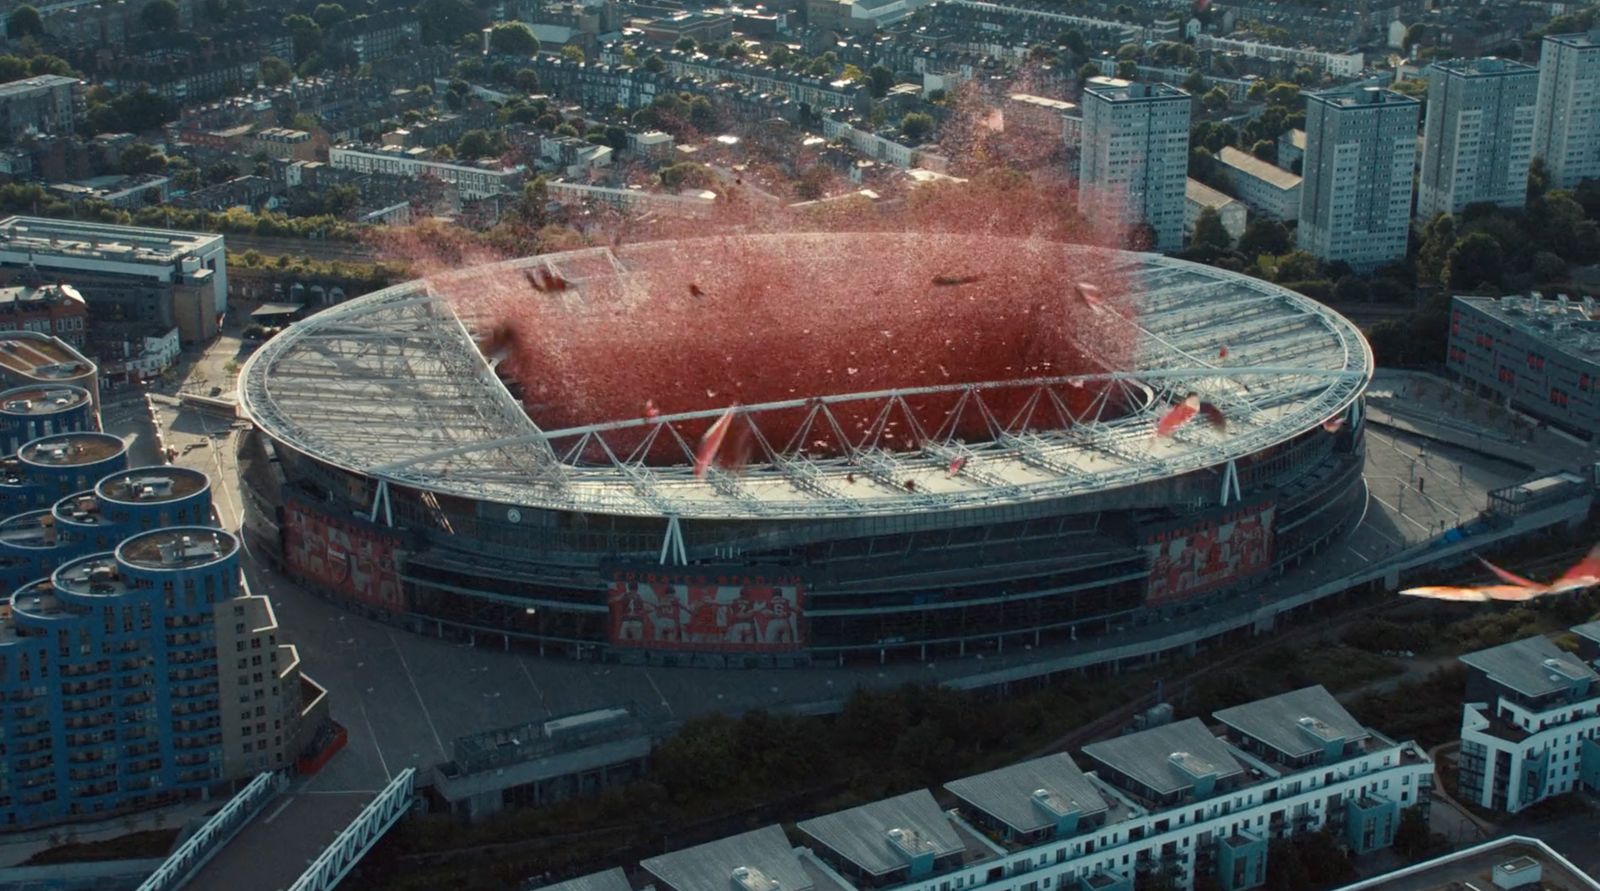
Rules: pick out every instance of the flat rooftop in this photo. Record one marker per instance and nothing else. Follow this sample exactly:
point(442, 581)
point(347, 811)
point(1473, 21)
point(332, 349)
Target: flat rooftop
point(1487, 66)
point(41, 358)
point(29, 530)
point(29, 297)
point(1362, 96)
point(883, 836)
point(1479, 866)
point(1205, 196)
point(1297, 723)
point(77, 238)
point(34, 84)
point(1027, 797)
point(71, 449)
point(759, 860)
point(182, 548)
point(33, 401)
point(1250, 165)
point(1532, 666)
point(1167, 759)
point(152, 485)
point(610, 880)
point(1570, 326)
point(1042, 102)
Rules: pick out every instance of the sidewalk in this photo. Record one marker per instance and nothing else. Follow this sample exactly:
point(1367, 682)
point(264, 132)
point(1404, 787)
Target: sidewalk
point(18, 847)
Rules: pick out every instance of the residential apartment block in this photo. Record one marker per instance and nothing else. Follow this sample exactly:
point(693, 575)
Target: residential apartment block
point(1478, 138)
point(1135, 156)
point(1170, 804)
point(1198, 197)
point(470, 181)
point(1530, 727)
point(1566, 131)
point(1355, 198)
point(1265, 188)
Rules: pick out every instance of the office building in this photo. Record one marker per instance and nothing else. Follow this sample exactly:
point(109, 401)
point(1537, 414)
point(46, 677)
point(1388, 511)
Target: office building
point(1539, 356)
point(159, 277)
point(1177, 804)
point(1265, 188)
point(1566, 131)
point(1355, 199)
point(1135, 156)
point(28, 358)
point(1478, 137)
point(1530, 727)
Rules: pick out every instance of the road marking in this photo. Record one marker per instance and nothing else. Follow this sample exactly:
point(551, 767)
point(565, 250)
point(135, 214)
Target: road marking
point(277, 810)
point(426, 716)
point(659, 694)
point(387, 776)
point(529, 675)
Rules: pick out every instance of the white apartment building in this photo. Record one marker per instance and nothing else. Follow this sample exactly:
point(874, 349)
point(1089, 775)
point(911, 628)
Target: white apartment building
point(1336, 64)
point(1478, 138)
point(1566, 132)
point(470, 181)
point(1174, 802)
point(1198, 197)
point(1134, 159)
point(1530, 728)
point(1355, 197)
point(1265, 188)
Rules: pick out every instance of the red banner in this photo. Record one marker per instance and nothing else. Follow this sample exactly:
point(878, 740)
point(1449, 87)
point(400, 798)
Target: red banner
point(726, 611)
point(344, 555)
point(1204, 553)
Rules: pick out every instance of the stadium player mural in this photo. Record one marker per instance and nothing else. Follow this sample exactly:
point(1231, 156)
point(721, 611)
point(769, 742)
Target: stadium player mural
point(734, 610)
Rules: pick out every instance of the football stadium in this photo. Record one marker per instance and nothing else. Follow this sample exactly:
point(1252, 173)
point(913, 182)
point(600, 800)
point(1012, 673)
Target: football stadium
point(656, 486)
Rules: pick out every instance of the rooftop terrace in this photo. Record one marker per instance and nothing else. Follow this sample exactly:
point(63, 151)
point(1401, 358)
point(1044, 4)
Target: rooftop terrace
point(34, 400)
point(71, 449)
point(151, 485)
point(180, 548)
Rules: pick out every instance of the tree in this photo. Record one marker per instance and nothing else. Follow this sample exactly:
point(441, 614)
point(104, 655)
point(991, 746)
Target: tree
point(1351, 289)
point(1283, 95)
point(702, 116)
point(1210, 236)
point(221, 172)
point(306, 34)
point(685, 174)
point(852, 74)
point(535, 198)
point(1127, 68)
point(526, 80)
point(24, 21)
point(1266, 150)
point(1264, 237)
point(653, 64)
point(1438, 237)
point(1411, 837)
point(684, 45)
point(159, 15)
point(141, 158)
point(1538, 180)
point(475, 144)
point(275, 72)
point(326, 15)
point(1475, 260)
point(513, 39)
point(1073, 40)
point(1414, 36)
point(735, 49)
point(917, 126)
point(1087, 71)
point(1195, 83)
point(879, 81)
point(444, 21)
point(1257, 91)
point(1296, 266)
point(573, 53)
point(1215, 100)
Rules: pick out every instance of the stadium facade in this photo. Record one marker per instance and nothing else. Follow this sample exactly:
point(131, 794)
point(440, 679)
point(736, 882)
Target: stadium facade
point(393, 470)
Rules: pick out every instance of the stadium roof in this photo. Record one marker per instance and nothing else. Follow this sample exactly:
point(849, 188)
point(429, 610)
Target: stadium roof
point(393, 386)
point(1532, 666)
point(882, 836)
point(1167, 759)
point(1011, 794)
point(1295, 723)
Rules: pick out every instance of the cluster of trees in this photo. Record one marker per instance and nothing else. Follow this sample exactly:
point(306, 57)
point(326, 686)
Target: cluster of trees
point(368, 275)
point(18, 67)
point(679, 114)
point(137, 111)
point(513, 39)
point(33, 199)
